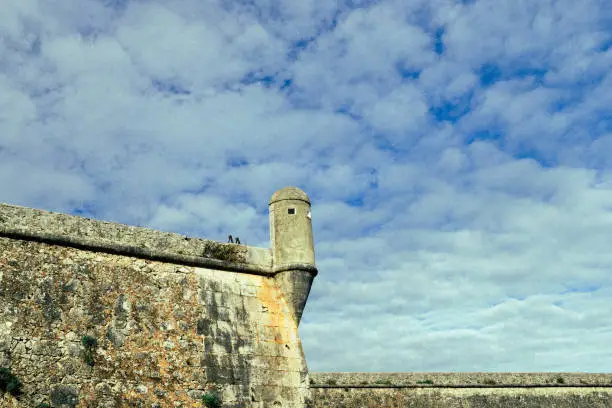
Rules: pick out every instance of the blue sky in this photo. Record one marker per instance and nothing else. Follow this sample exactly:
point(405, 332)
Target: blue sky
point(457, 154)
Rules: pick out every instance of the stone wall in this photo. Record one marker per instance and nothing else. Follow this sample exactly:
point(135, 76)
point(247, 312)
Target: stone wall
point(96, 314)
point(460, 390)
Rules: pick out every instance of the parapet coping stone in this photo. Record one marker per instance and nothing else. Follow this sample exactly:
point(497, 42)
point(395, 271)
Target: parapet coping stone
point(24, 223)
point(458, 379)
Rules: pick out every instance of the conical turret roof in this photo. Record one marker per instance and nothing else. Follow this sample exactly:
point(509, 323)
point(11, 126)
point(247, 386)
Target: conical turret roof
point(289, 193)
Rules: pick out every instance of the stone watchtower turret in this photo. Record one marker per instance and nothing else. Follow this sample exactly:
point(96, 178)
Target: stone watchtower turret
point(292, 245)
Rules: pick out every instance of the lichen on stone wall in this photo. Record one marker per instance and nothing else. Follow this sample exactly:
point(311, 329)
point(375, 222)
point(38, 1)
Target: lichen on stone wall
point(90, 329)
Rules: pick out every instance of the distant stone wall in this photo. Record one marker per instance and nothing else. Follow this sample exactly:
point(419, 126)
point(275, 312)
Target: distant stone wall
point(460, 390)
point(96, 314)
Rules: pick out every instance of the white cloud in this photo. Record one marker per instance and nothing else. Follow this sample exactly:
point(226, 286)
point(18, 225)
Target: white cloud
point(447, 80)
point(358, 62)
point(213, 212)
point(401, 113)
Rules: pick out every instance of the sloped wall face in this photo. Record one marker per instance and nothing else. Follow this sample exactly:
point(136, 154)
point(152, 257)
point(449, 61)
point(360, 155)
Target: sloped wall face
point(460, 390)
point(87, 329)
point(461, 398)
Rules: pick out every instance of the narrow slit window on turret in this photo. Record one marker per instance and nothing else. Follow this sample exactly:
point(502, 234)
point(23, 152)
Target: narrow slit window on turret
point(291, 211)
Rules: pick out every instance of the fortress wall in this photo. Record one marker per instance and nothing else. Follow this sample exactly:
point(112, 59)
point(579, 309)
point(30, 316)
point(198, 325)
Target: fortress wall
point(166, 331)
point(57, 228)
point(175, 317)
point(460, 390)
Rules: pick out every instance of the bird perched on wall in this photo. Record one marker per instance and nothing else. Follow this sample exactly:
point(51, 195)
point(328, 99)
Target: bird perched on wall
point(230, 239)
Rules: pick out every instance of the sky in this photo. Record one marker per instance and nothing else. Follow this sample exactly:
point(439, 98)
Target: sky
point(456, 153)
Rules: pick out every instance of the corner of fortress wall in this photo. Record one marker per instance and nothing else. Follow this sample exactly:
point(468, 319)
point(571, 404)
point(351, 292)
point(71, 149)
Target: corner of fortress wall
point(173, 317)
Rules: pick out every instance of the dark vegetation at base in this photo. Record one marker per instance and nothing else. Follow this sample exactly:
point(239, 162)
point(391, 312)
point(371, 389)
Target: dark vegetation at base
point(9, 382)
point(211, 400)
point(90, 344)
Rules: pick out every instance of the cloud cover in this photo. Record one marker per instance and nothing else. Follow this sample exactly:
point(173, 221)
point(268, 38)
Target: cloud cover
point(456, 154)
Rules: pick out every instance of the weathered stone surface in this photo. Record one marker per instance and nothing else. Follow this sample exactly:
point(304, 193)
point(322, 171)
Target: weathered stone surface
point(460, 390)
point(459, 378)
point(164, 332)
point(462, 398)
point(55, 227)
